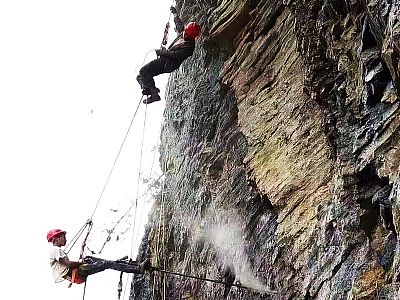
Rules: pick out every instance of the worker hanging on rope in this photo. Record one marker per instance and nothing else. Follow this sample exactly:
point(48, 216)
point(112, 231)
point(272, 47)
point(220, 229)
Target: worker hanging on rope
point(170, 59)
point(77, 272)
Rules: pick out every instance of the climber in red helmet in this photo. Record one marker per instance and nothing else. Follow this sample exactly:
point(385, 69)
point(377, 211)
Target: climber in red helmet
point(170, 59)
point(76, 272)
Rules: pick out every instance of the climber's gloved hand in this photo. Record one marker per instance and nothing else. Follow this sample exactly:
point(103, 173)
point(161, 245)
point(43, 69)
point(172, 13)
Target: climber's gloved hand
point(161, 51)
point(173, 10)
point(89, 260)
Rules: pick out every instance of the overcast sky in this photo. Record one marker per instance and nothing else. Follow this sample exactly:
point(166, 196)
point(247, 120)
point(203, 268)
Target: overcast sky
point(67, 95)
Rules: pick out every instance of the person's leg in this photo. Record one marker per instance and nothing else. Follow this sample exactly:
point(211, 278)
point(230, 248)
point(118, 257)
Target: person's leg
point(147, 72)
point(93, 266)
point(126, 267)
point(96, 265)
point(145, 89)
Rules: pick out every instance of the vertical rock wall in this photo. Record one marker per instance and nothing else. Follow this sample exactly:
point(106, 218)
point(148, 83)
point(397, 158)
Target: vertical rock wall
point(280, 149)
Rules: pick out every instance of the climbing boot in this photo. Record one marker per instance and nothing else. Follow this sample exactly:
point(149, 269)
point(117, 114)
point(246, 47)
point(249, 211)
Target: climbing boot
point(147, 91)
point(154, 96)
point(140, 81)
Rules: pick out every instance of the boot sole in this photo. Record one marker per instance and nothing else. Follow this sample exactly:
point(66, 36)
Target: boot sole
point(148, 101)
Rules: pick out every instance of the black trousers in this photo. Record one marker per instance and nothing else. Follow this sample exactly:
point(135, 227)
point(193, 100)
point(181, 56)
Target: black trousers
point(147, 72)
point(156, 67)
point(96, 265)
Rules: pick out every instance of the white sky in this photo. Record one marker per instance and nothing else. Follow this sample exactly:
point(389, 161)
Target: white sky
point(67, 94)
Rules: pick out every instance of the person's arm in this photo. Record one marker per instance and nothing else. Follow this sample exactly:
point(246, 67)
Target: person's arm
point(179, 27)
point(177, 53)
point(68, 263)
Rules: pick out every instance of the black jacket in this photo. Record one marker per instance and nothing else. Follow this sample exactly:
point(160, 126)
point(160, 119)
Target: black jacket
point(179, 50)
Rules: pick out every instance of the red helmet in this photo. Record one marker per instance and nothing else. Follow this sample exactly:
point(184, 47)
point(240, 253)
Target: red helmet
point(52, 234)
point(192, 30)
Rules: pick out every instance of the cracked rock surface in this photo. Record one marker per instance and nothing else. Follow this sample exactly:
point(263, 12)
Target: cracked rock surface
point(280, 149)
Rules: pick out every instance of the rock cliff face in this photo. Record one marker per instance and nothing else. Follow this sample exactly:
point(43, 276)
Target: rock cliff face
point(280, 149)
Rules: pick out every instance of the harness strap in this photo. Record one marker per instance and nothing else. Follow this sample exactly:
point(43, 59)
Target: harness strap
point(76, 278)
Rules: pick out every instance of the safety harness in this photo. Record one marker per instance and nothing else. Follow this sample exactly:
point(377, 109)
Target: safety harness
point(75, 278)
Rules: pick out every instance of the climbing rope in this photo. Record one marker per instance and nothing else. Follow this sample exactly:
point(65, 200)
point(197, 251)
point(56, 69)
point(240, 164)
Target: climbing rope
point(157, 246)
point(158, 239)
point(161, 231)
point(138, 180)
point(164, 41)
point(127, 279)
point(148, 189)
point(137, 192)
point(111, 231)
point(84, 291)
point(144, 60)
point(120, 285)
point(216, 281)
point(116, 158)
point(89, 222)
point(166, 31)
point(163, 240)
point(89, 225)
point(76, 237)
point(164, 260)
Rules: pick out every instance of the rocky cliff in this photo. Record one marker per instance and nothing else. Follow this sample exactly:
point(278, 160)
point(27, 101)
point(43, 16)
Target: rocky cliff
point(280, 149)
